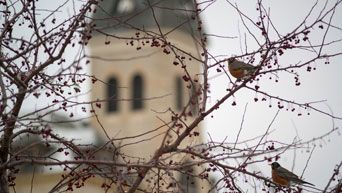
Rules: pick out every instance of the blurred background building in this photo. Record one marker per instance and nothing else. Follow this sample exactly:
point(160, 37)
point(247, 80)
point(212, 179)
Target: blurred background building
point(139, 85)
point(144, 85)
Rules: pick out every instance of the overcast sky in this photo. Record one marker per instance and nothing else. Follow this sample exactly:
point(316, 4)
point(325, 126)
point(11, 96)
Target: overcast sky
point(322, 84)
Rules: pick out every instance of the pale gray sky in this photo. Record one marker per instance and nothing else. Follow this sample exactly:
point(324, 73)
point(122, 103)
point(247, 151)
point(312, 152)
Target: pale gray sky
point(322, 84)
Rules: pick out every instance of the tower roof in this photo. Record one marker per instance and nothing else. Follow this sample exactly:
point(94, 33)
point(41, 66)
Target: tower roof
point(119, 15)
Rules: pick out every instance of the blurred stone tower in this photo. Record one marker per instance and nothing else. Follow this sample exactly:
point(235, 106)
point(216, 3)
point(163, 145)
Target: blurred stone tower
point(137, 81)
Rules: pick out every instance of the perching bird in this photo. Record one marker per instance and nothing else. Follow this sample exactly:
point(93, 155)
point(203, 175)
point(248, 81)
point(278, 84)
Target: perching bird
point(240, 69)
point(284, 177)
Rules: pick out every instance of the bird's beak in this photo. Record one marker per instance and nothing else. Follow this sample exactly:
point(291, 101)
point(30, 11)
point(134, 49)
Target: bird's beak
point(270, 164)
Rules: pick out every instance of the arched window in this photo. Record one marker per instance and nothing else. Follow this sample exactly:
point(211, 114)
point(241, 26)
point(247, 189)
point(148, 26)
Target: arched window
point(137, 92)
point(179, 93)
point(112, 95)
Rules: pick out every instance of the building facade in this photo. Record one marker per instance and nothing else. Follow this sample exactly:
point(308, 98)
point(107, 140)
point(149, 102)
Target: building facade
point(140, 81)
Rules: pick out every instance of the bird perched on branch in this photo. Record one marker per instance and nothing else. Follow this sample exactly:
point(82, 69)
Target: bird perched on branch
point(240, 70)
point(284, 177)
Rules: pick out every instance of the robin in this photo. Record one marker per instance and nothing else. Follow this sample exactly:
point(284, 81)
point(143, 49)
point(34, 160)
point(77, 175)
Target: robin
point(240, 69)
point(284, 177)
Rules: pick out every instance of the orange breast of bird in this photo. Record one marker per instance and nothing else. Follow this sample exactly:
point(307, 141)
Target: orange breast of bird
point(278, 179)
point(236, 73)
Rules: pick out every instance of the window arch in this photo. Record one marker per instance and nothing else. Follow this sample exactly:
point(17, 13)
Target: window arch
point(179, 93)
point(112, 95)
point(137, 92)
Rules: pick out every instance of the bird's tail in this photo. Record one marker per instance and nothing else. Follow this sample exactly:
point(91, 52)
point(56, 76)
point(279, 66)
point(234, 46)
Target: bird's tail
point(305, 182)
